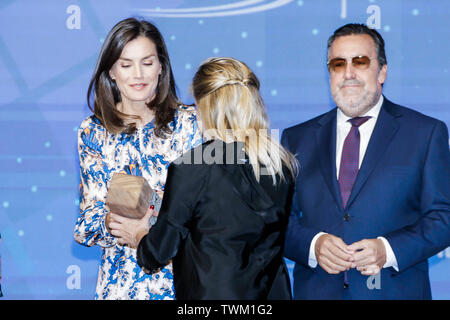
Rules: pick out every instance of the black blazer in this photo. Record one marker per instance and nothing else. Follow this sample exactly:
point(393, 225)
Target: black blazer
point(223, 229)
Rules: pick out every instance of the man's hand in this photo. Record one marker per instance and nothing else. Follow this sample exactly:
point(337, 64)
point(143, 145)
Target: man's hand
point(369, 257)
point(332, 254)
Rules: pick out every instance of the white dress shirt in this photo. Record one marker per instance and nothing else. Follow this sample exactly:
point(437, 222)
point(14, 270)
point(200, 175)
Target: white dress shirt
point(365, 130)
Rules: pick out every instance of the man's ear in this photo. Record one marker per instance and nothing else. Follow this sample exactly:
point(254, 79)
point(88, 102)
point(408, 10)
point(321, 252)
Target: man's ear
point(382, 75)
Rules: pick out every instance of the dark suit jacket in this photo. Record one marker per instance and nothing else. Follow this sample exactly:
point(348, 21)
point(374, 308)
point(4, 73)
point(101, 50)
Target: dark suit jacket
point(223, 230)
point(402, 192)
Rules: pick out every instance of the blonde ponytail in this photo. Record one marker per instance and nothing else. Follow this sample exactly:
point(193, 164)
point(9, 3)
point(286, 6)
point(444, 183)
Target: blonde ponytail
point(231, 108)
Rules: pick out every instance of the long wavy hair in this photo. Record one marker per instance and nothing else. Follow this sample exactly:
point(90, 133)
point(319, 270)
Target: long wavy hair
point(230, 106)
point(107, 94)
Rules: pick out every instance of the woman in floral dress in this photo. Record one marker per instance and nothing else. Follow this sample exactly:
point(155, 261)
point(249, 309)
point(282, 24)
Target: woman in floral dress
point(138, 127)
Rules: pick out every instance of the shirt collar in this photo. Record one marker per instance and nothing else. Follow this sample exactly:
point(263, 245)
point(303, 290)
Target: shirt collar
point(373, 112)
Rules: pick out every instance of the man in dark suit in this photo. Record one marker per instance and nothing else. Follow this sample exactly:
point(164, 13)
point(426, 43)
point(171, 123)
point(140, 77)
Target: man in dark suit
point(372, 198)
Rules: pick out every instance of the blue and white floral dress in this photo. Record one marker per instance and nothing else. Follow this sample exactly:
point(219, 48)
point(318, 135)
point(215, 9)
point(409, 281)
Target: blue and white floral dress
point(141, 153)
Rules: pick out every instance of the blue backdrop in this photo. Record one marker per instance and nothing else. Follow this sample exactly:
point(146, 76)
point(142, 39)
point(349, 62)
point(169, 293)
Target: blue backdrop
point(48, 50)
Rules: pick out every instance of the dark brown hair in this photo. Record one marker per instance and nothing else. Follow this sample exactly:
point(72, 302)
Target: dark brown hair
point(357, 29)
point(106, 92)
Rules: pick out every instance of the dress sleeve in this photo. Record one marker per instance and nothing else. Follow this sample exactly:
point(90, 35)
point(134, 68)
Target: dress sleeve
point(191, 136)
point(90, 227)
point(184, 187)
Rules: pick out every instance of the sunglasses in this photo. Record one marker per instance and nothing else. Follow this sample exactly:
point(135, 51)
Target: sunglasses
point(340, 64)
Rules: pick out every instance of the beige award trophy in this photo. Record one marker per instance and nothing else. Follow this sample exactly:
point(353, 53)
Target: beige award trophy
point(129, 196)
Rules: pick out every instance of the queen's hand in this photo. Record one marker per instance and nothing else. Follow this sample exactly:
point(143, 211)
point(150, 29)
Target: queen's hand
point(129, 231)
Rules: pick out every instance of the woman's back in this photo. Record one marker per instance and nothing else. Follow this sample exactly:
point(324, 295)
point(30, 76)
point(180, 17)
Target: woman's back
point(230, 227)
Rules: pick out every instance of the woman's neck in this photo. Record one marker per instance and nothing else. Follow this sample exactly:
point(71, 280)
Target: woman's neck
point(137, 109)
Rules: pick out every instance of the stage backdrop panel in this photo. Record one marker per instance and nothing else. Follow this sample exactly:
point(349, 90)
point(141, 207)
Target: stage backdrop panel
point(48, 50)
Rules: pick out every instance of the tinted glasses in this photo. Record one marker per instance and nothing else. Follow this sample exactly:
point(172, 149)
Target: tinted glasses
point(339, 64)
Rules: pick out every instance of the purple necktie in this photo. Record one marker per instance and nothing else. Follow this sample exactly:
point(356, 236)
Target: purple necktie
point(350, 164)
point(350, 159)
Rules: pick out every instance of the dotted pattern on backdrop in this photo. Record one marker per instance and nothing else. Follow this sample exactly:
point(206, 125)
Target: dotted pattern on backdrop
point(48, 50)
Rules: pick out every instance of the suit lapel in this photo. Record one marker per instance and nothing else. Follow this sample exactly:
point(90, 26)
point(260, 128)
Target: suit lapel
point(382, 135)
point(326, 149)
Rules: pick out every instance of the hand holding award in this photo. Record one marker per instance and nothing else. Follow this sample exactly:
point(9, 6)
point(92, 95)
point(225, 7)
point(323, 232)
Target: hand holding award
point(133, 208)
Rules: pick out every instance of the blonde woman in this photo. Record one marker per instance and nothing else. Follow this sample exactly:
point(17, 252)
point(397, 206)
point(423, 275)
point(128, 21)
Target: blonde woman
point(226, 203)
